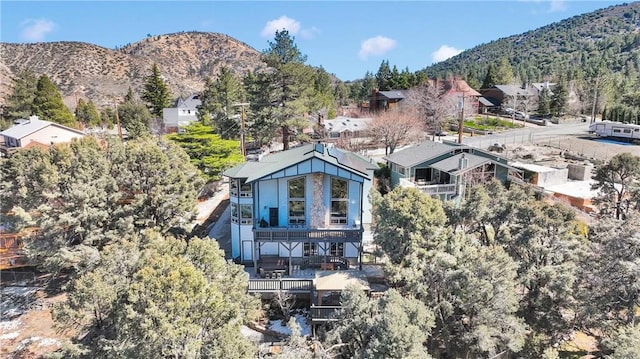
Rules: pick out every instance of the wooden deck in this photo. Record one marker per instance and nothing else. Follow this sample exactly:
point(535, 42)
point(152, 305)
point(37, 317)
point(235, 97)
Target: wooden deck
point(291, 285)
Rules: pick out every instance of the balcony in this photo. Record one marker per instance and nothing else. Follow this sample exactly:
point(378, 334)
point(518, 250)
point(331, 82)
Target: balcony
point(310, 235)
point(429, 187)
point(283, 284)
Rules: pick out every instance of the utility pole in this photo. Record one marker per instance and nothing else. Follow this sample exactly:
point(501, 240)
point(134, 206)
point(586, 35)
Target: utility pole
point(595, 101)
point(115, 102)
point(461, 122)
point(243, 149)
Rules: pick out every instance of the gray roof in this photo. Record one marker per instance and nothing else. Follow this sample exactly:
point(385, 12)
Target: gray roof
point(488, 101)
point(513, 90)
point(341, 124)
point(191, 102)
point(393, 94)
point(273, 163)
point(452, 164)
point(421, 152)
point(33, 124)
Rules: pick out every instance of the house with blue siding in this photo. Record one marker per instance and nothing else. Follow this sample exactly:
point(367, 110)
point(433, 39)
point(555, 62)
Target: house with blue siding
point(444, 169)
point(307, 206)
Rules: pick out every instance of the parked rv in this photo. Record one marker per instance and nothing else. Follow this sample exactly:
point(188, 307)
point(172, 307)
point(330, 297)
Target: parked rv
point(615, 129)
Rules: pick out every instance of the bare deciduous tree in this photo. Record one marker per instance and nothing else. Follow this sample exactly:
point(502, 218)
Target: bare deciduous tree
point(393, 128)
point(285, 301)
point(432, 105)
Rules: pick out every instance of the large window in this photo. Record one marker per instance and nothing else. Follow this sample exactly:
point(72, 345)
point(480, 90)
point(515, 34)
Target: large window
point(337, 249)
point(296, 192)
point(234, 212)
point(233, 187)
point(245, 189)
point(246, 214)
point(339, 200)
point(310, 249)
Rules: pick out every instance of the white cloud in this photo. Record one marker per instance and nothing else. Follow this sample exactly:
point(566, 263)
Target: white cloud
point(444, 52)
point(283, 22)
point(557, 6)
point(309, 33)
point(376, 46)
point(36, 29)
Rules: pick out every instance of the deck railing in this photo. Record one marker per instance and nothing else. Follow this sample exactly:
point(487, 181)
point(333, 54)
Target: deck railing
point(323, 313)
point(308, 235)
point(283, 284)
point(429, 187)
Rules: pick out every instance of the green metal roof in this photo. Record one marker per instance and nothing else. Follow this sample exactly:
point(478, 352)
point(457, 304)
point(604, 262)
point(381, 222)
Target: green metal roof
point(273, 163)
point(421, 152)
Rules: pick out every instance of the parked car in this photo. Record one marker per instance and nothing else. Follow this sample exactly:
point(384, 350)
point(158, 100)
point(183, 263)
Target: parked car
point(520, 115)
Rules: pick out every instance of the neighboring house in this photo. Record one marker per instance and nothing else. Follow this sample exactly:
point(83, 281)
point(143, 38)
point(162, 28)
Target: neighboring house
point(571, 184)
point(443, 170)
point(537, 87)
point(510, 96)
point(346, 128)
point(459, 93)
point(36, 132)
point(299, 208)
point(184, 112)
point(385, 100)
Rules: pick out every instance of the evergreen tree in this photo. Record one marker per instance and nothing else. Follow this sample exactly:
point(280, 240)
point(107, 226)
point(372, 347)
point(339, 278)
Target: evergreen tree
point(392, 326)
point(135, 118)
point(544, 102)
point(491, 78)
point(368, 85)
point(504, 72)
point(156, 93)
point(208, 151)
point(48, 104)
point(83, 196)
point(289, 86)
point(219, 102)
point(87, 113)
point(19, 103)
point(559, 98)
point(154, 296)
point(384, 76)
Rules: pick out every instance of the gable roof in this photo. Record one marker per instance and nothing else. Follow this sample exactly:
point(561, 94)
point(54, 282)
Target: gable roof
point(191, 102)
point(273, 163)
point(421, 152)
point(513, 90)
point(452, 164)
point(392, 94)
point(33, 124)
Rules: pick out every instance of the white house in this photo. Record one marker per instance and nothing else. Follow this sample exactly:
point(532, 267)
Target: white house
point(35, 131)
point(182, 114)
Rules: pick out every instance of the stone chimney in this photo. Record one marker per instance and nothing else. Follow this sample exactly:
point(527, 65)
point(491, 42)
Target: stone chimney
point(463, 162)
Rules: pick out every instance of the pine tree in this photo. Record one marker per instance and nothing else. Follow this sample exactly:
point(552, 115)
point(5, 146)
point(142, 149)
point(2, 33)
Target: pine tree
point(504, 72)
point(384, 76)
point(544, 102)
point(48, 104)
point(491, 78)
point(218, 102)
point(289, 88)
point(135, 117)
point(19, 103)
point(156, 92)
point(87, 113)
point(559, 98)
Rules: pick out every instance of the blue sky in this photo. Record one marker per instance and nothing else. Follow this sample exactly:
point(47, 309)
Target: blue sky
point(347, 38)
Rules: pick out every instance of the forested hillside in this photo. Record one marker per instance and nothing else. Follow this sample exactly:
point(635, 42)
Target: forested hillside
point(575, 46)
